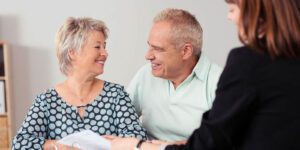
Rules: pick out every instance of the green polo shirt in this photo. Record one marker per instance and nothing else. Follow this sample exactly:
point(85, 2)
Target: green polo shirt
point(172, 114)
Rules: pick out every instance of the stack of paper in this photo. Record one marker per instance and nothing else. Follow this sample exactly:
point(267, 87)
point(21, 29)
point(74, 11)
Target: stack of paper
point(86, 140)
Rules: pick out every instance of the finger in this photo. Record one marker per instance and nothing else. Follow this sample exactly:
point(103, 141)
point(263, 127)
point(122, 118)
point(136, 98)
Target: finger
point(158, 142)
point(109, 137)
point(180, 142)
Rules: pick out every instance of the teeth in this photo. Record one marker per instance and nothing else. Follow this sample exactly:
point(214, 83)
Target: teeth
point(154, 65)
point(100, 62)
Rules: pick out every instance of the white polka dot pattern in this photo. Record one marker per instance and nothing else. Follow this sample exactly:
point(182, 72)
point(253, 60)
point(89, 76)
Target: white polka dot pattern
point(51, 118)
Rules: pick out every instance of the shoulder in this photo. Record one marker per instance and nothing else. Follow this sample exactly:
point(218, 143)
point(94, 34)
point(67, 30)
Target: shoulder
point(47, 94)
point(215, 70)
point(245, 54)
point(242, 62)
point(213, 65)
point(115, 89)
point(46, 97)
point(208, 68)
point(111, 86)
point(245, 57)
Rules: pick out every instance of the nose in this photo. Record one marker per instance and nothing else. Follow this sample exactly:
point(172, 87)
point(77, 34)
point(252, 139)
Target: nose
point(103, 53)
point(149, 54)
point(228, 16)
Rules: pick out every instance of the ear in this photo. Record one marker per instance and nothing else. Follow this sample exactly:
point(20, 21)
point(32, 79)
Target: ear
point(72, 54)
point(187, 51)
point(261, 29)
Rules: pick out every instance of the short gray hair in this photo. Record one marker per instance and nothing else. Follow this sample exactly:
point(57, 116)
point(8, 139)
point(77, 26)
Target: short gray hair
point(184, 28)
point(73, 35)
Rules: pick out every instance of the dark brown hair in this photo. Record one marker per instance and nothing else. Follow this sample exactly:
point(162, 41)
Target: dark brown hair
point(277, 20)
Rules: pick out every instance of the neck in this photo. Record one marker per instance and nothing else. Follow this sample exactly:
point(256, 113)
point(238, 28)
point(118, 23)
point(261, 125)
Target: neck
point(187, 69)
point(80, 89)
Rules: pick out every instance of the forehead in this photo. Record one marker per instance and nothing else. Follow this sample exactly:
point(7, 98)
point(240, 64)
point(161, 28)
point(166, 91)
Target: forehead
point(96, 35)
point(233, 5)
point(232, 1)
point(160, 28)
point(159, 33)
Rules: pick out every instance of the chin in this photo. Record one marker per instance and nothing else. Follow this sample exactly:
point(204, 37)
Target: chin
point(100, 72)
point(156, 74)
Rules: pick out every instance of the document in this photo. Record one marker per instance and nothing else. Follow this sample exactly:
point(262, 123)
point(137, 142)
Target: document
point(86, 140)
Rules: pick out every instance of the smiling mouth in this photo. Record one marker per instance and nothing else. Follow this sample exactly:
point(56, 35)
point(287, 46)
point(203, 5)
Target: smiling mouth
point(100, 62)
point(154, 66)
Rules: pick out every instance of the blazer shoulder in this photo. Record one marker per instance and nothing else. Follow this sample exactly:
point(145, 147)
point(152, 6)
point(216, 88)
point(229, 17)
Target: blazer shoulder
point(243, 62)
point(245, 56)
point(242, 53)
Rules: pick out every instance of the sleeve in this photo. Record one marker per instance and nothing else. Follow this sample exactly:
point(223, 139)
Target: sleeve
point(32, 133)
point(128, 124)
point(223, 125)
point(134, 90)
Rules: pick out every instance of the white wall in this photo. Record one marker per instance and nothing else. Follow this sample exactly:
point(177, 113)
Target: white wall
point(30, 26)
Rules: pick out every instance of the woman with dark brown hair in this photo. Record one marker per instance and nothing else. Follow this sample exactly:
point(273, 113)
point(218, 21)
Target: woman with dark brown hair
point(257, 99)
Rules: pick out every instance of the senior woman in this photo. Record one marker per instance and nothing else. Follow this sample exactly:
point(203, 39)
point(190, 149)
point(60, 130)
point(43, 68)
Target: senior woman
point(82, 101)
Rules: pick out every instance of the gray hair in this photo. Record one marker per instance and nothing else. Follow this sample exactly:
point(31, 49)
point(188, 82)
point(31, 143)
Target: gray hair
point(72, 35)
point(184, 28)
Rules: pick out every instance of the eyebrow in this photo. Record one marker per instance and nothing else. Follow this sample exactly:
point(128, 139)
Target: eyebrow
point(101, 42)
point(154, 46)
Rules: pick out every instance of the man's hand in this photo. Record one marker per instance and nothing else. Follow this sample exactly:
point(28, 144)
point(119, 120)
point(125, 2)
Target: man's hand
point(160, 142)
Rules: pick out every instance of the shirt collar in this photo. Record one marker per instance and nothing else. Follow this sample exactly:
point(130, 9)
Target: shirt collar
point(202, 67)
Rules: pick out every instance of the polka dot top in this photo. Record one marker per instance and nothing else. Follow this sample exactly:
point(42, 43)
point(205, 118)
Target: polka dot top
point(50, 117)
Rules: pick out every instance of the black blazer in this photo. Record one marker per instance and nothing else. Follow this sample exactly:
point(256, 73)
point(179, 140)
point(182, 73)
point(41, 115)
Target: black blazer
point(257, 106)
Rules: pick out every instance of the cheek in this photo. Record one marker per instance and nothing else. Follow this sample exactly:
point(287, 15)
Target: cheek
point(231, 15)
point(172, 63)
point(160, 58)
point(236, 20)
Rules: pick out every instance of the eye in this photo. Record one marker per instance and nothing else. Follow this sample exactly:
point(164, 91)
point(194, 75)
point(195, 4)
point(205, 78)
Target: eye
point(158, 49)
point(231, 8)
point(155, 48)
point(152, 48)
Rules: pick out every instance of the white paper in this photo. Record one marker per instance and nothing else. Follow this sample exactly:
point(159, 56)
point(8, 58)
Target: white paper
point(2, 97)
point(86, 140)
